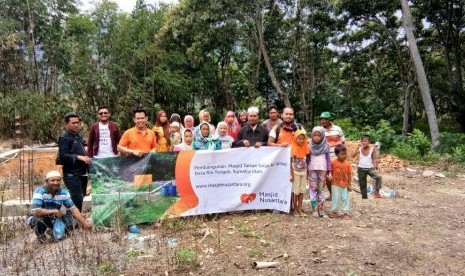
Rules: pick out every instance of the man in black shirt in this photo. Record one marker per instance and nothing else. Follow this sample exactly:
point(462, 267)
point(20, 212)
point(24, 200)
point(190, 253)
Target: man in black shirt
point(252, 134)
point(73, 157)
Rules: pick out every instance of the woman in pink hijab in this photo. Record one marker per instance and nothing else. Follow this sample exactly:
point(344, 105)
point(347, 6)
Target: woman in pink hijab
point(189, 122)
point(233, 124)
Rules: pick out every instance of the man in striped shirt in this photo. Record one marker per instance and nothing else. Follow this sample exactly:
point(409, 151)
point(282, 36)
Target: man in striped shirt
point(46, 205)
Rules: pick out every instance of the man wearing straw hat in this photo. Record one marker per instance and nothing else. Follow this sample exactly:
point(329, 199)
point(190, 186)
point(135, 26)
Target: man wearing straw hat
point(47, 202)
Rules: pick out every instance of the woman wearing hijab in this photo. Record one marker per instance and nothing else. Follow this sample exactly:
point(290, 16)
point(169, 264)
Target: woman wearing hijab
point(242, 115)
point(189, 122)
point(176, 118)
point(222, 133)
point(205, 141)
point(204, 117)
point(232, 124)
point(162, 130)
point(186, 145)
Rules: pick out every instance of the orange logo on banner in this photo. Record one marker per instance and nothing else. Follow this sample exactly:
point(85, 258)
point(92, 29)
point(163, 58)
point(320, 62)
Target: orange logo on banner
point(245, 198)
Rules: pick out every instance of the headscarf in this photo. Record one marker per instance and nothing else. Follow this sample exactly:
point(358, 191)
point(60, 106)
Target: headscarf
point(207, 143)
point(176, 118)
point(299, 151)
point(189, 125)
point(239, 117)
point(321, 147)
point(226, 140)
point(165, 125)
point(233, 129)
point(183, 146)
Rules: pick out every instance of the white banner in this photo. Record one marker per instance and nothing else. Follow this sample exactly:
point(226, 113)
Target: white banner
point(240, 179)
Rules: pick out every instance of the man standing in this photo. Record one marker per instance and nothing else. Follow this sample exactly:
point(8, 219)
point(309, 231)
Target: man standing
point(47, 201)
point(334, 137)
point(73, 157)
point(273, 118)
point(252, 134)
point(139, 139)
point(104, 136)
point(281, 134)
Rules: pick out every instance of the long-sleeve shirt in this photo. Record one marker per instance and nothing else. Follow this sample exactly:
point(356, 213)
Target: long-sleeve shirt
point(70, 145)
point(259, 134)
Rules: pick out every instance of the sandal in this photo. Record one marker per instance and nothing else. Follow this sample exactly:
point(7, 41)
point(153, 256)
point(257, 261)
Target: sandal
point(333, 215)
point(378, 195)
point(315, 215)
point(346, 216)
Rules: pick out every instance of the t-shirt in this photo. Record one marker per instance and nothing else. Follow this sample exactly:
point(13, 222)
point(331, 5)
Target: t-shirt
point(342, 172)
point(285, 136)
point(105, 148)
point(41, 199)
point(334, 137)
point(299, 166)
point(136, 140)
point(268, 124)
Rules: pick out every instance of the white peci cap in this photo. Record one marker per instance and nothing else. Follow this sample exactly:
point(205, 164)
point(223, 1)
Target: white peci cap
point(51, 174)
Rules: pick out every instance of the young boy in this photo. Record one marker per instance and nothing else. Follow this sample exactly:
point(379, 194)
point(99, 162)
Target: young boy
point(341, 181)
point(368, 165)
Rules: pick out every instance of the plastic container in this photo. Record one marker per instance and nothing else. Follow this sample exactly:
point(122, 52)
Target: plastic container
point(133, 229)
point(173, 191)
point(165, 190)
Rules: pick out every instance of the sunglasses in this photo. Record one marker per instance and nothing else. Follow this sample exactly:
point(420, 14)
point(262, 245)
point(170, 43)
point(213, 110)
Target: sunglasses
point(103, 113)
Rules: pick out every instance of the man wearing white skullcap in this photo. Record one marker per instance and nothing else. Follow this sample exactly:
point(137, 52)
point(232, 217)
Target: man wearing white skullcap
point(46, 205)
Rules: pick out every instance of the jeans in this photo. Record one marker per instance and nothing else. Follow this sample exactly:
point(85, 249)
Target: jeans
point(362, 180)
point(40, 224)
point(77, 187)
point(340, 195)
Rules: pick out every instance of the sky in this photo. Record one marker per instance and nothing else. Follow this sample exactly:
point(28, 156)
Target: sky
point(125, 5)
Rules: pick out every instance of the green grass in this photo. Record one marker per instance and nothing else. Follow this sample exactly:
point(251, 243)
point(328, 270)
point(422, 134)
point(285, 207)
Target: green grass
point(185, 258)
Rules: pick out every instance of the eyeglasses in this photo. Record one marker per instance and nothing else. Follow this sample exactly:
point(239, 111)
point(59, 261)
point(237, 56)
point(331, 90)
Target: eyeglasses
point(103, 113)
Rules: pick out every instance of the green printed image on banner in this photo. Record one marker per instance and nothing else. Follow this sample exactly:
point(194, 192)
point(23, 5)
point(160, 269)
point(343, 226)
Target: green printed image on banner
point(126, 189)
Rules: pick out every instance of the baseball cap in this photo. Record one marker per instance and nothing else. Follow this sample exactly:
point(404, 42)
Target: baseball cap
point(325, 115)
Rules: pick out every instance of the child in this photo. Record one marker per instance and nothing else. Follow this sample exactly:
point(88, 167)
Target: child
point(299, 152)
point(319, 167)
point(186, 141)
point(341, 181)
point(222, 133)
point(175, 136)
point(368, 165)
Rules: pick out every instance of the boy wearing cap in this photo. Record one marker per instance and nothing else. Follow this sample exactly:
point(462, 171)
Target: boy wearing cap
point(47, 201)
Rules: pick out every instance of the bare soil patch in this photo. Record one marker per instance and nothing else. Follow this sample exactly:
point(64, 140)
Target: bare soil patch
point(420, 232)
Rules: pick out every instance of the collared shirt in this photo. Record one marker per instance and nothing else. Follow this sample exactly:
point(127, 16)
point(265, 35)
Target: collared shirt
point(70, 145)
point(42, 199)
point(135, 139)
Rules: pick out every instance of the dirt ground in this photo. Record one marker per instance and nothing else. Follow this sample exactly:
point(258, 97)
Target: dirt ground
point(419, 232)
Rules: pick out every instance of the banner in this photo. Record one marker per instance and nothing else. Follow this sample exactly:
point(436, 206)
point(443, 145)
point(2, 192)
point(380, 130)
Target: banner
point(127, 190)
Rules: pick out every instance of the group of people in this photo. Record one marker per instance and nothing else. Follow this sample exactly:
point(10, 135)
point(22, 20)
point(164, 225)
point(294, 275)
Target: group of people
point(316, 161)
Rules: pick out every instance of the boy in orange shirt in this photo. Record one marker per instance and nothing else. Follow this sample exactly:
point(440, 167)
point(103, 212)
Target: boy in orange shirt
point(341, 181)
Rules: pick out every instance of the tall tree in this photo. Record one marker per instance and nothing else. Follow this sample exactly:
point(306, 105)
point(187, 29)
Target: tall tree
point(421, 75)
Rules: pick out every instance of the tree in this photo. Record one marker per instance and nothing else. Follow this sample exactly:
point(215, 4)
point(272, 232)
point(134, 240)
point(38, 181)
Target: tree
point(421, 75)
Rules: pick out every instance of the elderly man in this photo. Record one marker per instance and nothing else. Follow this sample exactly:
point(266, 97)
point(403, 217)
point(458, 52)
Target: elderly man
point(73, 157)
point(334, 137)
point(252, 134)
point(47, 201)
point(139, 139)
point(104, 136)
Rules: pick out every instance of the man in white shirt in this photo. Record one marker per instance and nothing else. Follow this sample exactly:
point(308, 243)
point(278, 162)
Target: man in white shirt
point(104, 136)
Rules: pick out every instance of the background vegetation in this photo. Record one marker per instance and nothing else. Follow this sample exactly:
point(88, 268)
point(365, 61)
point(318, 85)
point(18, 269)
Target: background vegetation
point(346, 56)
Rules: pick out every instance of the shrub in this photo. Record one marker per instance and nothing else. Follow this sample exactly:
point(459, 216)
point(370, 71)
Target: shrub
point(419, 140)
point(406, 151)
point(185, 258)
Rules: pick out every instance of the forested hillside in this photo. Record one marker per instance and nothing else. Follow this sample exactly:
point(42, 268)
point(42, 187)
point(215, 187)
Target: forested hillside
point(350, 57)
